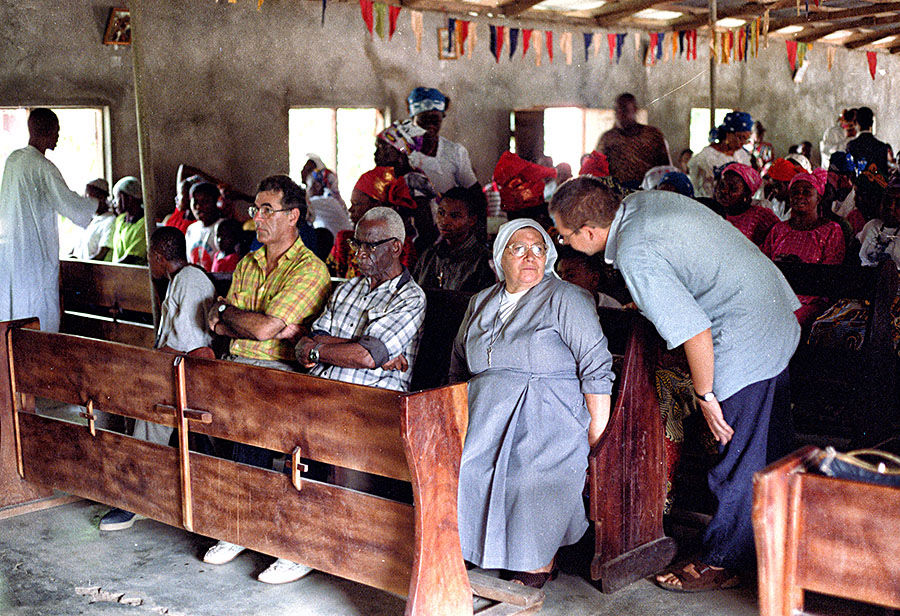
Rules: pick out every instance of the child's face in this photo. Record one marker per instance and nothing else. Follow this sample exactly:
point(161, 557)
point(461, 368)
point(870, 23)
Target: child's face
point(204, 208)
point(226, 240)
point(157, 264)
point(578, 273)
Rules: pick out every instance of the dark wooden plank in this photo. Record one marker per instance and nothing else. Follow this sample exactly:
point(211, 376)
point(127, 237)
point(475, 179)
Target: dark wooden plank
point(356, 536)
point(14, 490)
point(433, 421)
point(110, 468)
point(633, 565)
point(107, 328)
point(337, 423)
point(86, 283)
point(120, 379)
point(847, 543)
point(507, 592)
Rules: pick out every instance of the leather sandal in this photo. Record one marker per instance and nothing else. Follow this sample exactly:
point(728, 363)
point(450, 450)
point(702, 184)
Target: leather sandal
point(695, 576)
point(534, 580)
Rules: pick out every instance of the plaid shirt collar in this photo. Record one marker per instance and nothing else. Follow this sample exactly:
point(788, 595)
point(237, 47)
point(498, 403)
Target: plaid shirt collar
point(261, 255)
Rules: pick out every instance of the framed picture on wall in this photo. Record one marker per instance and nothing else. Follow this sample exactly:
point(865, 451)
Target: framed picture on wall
point(446, 48)
point(118, 28)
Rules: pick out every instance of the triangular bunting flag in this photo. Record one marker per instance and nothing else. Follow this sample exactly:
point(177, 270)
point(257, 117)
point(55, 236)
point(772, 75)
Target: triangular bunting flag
point(492, 47)
point(681, 34)
point(872, 58)
point(831, 51)
point(462, 33)
point(536, 42)
point(637, 46)
point(613, 45)
point(620, 42)
point(651, 51)
point(565, 44)
point(792, 54)
point(659, 45)
point(513, 41)
point(365, 6)
point(473, 38)
point(526, 39)
point(549, 36)
point(324, 4)
point(451, 35)
point(588, 40)
point(393, 13)
point(380, 18)
point(801, 53)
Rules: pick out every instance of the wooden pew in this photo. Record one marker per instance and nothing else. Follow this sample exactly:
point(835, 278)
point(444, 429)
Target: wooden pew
point(815, 533)
point(109, 301)
point(410, 550)
point(865, 380)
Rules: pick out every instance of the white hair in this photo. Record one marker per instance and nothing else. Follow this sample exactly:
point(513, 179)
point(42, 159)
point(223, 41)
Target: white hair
point(390, 218)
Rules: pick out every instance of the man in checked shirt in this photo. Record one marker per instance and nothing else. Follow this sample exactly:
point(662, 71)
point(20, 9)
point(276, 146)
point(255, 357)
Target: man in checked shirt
point(372, 324)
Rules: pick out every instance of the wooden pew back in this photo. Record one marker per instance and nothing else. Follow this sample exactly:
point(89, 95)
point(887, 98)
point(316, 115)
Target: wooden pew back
point(825, 535)
point(412, 550)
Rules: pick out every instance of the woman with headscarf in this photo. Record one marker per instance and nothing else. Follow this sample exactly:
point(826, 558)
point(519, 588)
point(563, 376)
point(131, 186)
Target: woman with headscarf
point(726, 142)
point(445, 162)
point(807, 236)
point(540, 378)
point(735, 188)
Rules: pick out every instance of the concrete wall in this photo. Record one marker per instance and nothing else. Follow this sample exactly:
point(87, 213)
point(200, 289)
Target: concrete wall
point(52, 53)
point(218, 79)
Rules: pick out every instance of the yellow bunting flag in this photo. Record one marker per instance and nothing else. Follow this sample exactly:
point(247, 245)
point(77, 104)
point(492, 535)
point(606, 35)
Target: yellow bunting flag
point(597, 43)
point(536, 42)
point(637, 46)
point(259, 4)
point(831, 52)
point(565, 45)
point(473, 38)
point(766, 29)
point(415, 20)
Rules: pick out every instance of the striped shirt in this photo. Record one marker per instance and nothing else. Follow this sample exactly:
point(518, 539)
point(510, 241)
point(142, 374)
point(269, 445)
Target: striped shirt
point(387, 321)
point(295, 292)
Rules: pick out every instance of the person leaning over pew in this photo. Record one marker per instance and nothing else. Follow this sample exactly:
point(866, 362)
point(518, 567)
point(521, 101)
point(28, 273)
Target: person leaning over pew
point(182, 328)
point(276, 290)
point(705, 286)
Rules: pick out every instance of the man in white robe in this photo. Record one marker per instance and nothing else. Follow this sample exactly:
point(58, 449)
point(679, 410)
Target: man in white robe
point(32, 192)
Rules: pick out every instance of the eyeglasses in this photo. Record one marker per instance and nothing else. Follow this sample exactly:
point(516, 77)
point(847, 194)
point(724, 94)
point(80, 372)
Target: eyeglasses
point(563, 238)
point(520, 250)
point(357, 245)
point(266, 211)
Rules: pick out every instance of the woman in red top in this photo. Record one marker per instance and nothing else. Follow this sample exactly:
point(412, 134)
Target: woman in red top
point(807, 236)
point(734, 192)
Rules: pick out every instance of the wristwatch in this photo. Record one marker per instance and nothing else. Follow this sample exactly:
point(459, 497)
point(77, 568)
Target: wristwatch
point(707, 397)
point(222, 307)
point(313, 355)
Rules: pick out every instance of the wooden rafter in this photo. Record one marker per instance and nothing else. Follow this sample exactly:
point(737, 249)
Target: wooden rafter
point(828, 16)
point(861, 40)
point(512, 8)
point(749, 9)
point(613, 11)
point(810, 36)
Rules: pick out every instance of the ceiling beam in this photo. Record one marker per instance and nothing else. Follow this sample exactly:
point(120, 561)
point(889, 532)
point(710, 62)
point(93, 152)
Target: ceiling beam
point(613, 11)
point(828, 16)
point(749, 9)
point(810, 36)
point(512, 8)
point(855, 42)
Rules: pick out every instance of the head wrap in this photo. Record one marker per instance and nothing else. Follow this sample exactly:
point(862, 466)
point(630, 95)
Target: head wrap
point(817, 178)
point(506, 231)
point(679, 181)
point(801, 160)
point(380, 184)
point(595, 164)
point(100, 184)
point(737, 122)
point(405, 136)
point(843, 163)
point(782, 170)
point(130, 186)
point(426, 99)
point(747, 173)
point(521, 182)
point(654, 175)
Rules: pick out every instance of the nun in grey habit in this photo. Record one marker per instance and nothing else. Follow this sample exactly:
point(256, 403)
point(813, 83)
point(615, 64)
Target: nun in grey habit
point(540, 378)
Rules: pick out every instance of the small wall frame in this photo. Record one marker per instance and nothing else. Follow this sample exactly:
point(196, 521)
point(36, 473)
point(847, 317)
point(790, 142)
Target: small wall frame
point(118, 27)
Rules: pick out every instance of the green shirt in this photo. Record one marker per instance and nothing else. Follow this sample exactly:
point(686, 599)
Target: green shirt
point(129, 239)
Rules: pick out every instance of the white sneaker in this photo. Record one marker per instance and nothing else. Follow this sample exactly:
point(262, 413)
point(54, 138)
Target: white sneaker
point(221, 553)
point(283, 571)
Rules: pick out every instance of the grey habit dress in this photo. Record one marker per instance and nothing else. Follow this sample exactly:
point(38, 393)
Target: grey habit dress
point(525, 457)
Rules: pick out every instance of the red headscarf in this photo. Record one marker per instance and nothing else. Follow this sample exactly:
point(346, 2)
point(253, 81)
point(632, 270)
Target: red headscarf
point(818, 178)
point(595, 164)
point(747, 173)
point(781, 169)
point(521, 182)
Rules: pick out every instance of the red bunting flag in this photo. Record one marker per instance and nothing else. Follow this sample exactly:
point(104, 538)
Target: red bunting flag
point(611, 41)
point(500, 41)
point(549, 36)
point(393, 12)
point(872, 57)
point(526, 38)
point(651, 51)
point(792, 54)
point(366, 7)
point(462, 33)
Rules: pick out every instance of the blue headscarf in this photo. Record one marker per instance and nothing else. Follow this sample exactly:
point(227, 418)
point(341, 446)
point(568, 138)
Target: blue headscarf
point(737, 122)
point(426, 99)
point(680, 182)
point(843, 162)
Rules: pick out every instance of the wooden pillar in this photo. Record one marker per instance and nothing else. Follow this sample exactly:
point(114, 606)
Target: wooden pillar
point(150, 202)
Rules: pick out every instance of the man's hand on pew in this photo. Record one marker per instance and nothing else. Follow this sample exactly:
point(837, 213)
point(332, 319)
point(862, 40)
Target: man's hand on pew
point(398, 363)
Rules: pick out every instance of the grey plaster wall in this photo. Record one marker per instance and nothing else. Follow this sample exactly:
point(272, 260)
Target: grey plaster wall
point(51, 53)
point(218, 79)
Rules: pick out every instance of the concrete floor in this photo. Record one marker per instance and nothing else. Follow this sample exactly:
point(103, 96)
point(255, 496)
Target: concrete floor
point(57, 562)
